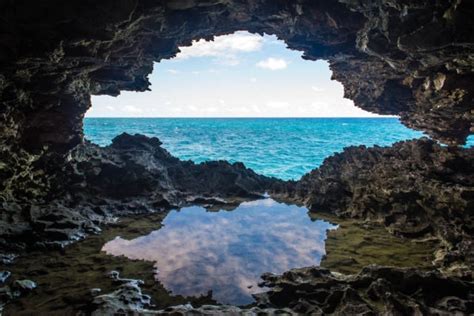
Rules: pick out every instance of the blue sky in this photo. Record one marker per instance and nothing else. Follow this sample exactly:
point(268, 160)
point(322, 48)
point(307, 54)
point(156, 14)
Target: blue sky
point(238, 75)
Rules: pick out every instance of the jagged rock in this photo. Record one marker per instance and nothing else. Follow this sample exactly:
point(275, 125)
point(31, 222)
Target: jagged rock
point(127, 298)
point(374, 291)
point(415, 188)
point(134, 175)
point(15, 290)
point(409, 59)
point(317, 291)
point(24, 286)
point(134, 166)
point(7, 258)
point(4, 275)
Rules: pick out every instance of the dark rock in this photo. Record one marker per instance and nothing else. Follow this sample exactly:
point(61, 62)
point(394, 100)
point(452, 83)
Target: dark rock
point(374, 291)
point(316, 291)
point(127, 298)
point(4, 275)
point(24, 286)
point(415, 188)
point(7, 258)
point(134, 175)
point(15, 290)
point(408, 58)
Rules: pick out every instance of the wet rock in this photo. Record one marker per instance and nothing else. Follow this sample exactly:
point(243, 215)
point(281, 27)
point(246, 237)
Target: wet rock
point(15, 290)
point(415, 188)
point(408, 59)
point(95, 291)
point(127, 298)
point(374, 291)
point(24, 286)
point(137, 166)
point(4, 275)
point(134, 175)
point(7, 258)
point(316, 291)
point(412, 59)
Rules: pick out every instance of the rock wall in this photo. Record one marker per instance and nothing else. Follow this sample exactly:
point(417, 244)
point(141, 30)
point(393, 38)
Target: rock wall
point(316, 291)
point(134, 175)
point(393, 57)
point(409, 58)
point(415, 188)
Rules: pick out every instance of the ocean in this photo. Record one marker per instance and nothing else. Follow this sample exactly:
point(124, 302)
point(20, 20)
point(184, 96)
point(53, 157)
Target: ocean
point(285, 148)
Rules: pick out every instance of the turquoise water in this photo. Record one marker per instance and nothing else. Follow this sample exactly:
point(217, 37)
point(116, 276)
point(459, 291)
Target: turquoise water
point(283, 148)
point(226, 252)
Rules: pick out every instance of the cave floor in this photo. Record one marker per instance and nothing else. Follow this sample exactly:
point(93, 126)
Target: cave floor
point(67, 278)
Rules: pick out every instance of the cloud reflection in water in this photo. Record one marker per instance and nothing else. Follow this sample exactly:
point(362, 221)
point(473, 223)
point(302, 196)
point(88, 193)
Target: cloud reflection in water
point(226, 252)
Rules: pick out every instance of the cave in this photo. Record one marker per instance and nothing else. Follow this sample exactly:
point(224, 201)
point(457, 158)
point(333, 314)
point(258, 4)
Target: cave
point(413, 60)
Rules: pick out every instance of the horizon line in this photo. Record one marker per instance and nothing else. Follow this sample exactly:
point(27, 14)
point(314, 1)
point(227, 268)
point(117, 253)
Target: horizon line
point(243, 117)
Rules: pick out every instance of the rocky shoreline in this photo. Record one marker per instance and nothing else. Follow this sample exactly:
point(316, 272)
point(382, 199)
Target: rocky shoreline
point(417, 189)
point(134, 175)
point(359, 183)
point(411, 59)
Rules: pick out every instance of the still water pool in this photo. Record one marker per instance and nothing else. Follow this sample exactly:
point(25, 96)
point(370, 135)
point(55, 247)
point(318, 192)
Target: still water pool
point(226, 252)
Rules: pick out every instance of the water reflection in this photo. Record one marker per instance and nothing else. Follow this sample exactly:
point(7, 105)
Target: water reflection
point(226, 252)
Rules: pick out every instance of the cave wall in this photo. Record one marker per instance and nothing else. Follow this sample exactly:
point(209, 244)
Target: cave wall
point(393, 57)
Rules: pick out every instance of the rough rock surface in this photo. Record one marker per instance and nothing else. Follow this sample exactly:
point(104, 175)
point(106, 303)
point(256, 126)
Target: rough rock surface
point(415, 188)
point(374, 291)
point(316, 291)
point(408, 58)
point(131, 176)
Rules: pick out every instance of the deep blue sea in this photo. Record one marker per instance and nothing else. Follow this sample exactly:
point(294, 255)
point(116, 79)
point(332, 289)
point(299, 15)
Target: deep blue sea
point(285, 148)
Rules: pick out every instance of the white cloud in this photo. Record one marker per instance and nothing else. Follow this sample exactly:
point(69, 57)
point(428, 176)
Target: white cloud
point(256, 109)
point(216, 91)
point(317, 89)
point(211, 109)
point(229, 60)
point(192, 108)
point(224, 48)
point(277, 104)
point(272, 63)
point(132, 109)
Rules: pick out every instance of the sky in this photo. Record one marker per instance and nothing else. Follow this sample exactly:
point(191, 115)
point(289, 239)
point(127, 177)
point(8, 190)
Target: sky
point(237, 75)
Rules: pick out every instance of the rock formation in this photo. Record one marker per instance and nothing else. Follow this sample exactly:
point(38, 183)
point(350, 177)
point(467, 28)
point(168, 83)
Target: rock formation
point(393, 57)
point(131, 176)
point(409, 58)
point(374, 291)
point(415, 188)
point(316, 291)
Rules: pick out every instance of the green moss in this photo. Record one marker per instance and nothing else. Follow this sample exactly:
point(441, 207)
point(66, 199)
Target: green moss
point(66, 277)
point(356, 244)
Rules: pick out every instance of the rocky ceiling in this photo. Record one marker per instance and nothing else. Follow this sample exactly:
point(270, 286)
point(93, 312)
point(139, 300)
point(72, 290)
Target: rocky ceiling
point(410, 58)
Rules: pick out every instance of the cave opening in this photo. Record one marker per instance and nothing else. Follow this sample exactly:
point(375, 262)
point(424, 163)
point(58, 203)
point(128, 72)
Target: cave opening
point(245, 98)
point(63, 198)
